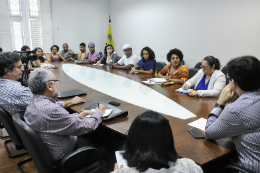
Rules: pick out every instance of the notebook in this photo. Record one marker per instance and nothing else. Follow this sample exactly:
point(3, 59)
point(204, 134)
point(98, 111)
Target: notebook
point(114, 115)
point(71, 93)
point(83, 62)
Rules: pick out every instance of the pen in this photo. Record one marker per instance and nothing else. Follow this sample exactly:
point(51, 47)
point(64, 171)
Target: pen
point(98, 104)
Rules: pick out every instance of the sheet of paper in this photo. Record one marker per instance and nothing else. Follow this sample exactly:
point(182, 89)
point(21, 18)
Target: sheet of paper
point(107, 112)
point(180, 90)
point(148, 82)
point(120, 160)
point(157, 80)
point(200, 124)
point(99, 64)
point(134, 72)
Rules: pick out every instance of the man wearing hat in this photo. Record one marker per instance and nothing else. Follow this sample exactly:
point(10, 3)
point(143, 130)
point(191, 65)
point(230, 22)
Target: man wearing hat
point(128, 60)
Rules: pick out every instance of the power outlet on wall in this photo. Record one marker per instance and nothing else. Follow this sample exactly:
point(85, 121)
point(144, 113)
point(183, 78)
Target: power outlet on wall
point(56, 28)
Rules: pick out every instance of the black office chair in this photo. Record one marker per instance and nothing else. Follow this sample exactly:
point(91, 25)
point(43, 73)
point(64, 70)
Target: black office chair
point(197, 66)
point(183, 62)
point(224, 70)
point(75, 56)
point(100, 55)
point(192, 72)
point(7, 121)
point(159, 66)
point(235, 167)
point(41, 155)
point(1, 132)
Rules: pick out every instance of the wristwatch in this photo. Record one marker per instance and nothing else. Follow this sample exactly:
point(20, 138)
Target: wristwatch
point(219, 106)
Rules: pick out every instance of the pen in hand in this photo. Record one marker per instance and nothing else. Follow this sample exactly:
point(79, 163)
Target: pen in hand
point(98, 104)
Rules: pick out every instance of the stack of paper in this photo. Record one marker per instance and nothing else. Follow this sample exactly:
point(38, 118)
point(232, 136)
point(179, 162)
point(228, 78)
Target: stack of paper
point(200, 124)
point(107, 112)
point(180, 90)
point(99, 64)
point(155, 80)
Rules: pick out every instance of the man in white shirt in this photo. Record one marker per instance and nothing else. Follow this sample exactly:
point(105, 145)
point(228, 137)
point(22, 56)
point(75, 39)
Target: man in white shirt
point(128, 60)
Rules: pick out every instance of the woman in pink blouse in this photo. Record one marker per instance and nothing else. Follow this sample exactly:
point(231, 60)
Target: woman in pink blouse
point(92, 55)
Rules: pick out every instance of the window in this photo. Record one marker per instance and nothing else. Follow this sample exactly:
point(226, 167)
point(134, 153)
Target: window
point(26, 23)
point(35, 33)
point(17, 35)
point(15, 9)
point(34, 10)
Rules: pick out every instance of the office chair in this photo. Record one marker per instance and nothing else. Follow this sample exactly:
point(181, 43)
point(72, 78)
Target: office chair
point(224, 70)
point(7, 121)
point(197, 66)
point(41, 155)
point(159, 66)
point(192, 72)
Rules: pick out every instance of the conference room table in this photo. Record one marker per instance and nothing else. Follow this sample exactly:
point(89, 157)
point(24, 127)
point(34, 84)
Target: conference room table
point(202, 151)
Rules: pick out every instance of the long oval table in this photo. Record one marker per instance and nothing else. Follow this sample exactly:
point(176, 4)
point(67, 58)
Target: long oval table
point(202, 151)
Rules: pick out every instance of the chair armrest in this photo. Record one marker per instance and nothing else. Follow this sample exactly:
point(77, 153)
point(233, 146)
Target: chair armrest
point(236, 167)
point(93, 157)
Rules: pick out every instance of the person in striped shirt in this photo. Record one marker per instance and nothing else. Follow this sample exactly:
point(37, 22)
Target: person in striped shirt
point(240, 118)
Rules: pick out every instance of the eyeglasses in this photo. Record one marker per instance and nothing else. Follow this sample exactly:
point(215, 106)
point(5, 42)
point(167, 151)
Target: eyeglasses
point(58, 81)
point(205, 68)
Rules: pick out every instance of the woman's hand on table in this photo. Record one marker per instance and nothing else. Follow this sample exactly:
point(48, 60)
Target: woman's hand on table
point(193, 93)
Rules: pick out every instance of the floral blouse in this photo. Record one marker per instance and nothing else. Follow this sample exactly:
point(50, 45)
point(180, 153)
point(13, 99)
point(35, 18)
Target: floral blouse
point(181, 73)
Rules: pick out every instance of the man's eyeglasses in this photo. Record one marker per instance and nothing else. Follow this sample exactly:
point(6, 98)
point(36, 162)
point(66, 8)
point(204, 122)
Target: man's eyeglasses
point(58, 81)
point(205, 68)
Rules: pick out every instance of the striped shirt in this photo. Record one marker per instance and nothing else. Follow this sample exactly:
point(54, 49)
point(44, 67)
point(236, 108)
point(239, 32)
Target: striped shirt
point(241, 121)
point(14, 98)
point(56, 127)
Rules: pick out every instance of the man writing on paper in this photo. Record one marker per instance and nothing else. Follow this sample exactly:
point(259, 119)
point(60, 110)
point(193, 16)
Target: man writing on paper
point(128, 60)
point(240, 119)
point(61, 131)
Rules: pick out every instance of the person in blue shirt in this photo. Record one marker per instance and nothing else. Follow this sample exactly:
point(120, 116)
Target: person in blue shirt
point(147, 64)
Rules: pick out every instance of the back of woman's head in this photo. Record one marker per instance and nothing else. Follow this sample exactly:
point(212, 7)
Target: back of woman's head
point(150, 143)
point(211, 60)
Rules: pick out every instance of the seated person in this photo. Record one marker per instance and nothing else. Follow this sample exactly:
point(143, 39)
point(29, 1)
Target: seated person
point(109, 55)
point(61, 131)
point(175, 71)
point(82, 52)
point(92, 55)
point(146, 149)
point(127, 61)
point(239, 119)
point(147, 63)
point(54, 56)
point(18, 96)
point(41, 56)
point(208, 81)
point(66, 52)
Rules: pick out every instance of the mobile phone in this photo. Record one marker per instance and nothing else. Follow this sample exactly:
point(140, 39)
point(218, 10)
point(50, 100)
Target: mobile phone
point(114, 103)
point(196, 133)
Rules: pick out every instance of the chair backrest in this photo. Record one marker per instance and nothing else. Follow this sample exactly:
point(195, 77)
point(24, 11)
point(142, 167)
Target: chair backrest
point(159, 66)
point(7, 121)
point(192, 72)
point(75, 56)
point(34, 145)
point(197, 66)
point(224, 70)
point(183, 62)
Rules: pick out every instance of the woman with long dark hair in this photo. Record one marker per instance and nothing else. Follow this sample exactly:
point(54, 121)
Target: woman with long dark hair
point(109, 56)
point(150, 147)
